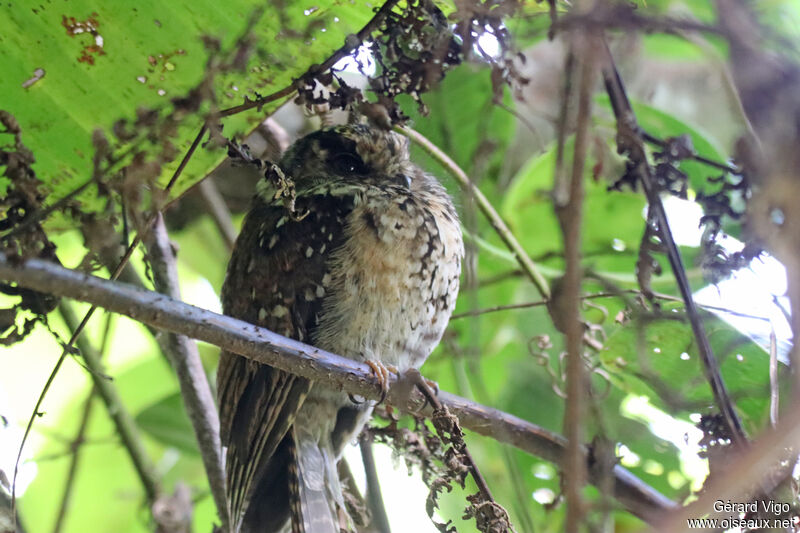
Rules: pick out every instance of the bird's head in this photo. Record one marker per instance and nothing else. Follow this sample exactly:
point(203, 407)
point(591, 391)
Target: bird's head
point(354, 155)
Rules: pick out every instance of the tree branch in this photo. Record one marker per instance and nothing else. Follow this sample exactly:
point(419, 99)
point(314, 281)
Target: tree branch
point(629, 140)
point(219, 212)
point(185, 360)
point(568, 199)
point(266, 347)
point(379, 519)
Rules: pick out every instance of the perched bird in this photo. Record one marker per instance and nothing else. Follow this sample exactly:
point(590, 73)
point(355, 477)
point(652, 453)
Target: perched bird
point(365, 263)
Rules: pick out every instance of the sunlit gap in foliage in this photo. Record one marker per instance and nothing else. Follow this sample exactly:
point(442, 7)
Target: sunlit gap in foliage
point(404, 495)
point(758, 290)
point(682, 434)
point(487, 45)
point(361, 62)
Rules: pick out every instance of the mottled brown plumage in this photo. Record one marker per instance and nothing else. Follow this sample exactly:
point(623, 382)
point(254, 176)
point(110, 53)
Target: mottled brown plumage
point(370, 272)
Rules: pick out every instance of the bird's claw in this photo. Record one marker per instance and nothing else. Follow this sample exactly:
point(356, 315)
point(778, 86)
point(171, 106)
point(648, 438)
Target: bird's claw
point(381, 372)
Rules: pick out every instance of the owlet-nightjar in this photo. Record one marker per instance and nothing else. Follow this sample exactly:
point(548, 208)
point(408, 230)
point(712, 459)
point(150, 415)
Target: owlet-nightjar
point(366, 265)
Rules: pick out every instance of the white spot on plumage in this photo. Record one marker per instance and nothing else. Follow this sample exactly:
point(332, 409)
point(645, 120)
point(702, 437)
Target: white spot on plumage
point(309, 251)
point(262, 314)
point(279, 311)
point(273, 240)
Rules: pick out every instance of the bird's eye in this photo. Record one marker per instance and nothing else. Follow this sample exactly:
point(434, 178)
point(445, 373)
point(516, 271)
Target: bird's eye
point(346, 163)
point(404, 180)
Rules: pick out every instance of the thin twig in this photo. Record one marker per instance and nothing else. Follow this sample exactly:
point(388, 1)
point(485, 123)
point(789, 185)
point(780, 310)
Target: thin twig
point(431, 398)
point(10, 524)
point(74, 461)
point(476, 312)
point(266, 347)
point(630, 141)
point(123, 421)
point(652, 139)
point(593, 296)
point(486, 208)
point(80, 437)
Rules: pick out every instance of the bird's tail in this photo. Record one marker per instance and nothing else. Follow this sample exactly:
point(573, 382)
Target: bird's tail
point(317, 504)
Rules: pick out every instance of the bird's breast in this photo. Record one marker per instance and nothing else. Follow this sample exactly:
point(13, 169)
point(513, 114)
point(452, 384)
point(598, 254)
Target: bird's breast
point(394, 282)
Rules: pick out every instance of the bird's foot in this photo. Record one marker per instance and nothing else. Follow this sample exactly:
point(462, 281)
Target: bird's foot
point(382, 372)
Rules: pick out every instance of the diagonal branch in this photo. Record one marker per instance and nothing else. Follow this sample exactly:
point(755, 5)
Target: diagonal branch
point(266, 347)
point(629, 139)
point(185, 360)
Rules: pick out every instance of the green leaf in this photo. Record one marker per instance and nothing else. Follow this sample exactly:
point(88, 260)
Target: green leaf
point(670, 47)
point(463, 121)
point(166, 421)
point(659, 359)
point(612, 220)
point(104, 61)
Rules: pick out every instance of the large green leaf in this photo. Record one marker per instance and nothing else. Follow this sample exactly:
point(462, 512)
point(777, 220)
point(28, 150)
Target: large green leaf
point(464, 122)
point(104, 61)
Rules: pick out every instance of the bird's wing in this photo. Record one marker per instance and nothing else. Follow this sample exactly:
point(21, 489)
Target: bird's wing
point(276, 279)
